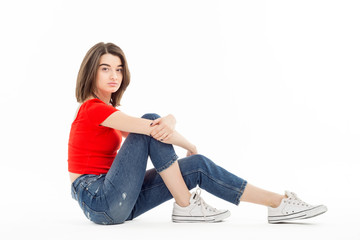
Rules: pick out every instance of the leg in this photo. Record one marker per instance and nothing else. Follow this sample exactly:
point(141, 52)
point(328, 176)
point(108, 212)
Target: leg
point(123, 182)
point(198, 170)
point(195, 170)
point(124, 179)
point(109, 199)
point(257, 195)
point(170, 172)
point(176, 184)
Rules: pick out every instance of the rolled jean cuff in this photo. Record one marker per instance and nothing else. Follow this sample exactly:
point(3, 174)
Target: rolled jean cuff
point(242, 189)
point(168, 164)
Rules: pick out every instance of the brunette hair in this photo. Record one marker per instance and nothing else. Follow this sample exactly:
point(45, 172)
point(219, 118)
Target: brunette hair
point(85, 84)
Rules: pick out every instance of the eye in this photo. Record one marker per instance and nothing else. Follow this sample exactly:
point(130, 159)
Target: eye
point(120, 70)
point(105, 69)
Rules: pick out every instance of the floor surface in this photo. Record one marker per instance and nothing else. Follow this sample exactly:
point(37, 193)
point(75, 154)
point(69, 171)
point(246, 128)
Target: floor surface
point(59, 217)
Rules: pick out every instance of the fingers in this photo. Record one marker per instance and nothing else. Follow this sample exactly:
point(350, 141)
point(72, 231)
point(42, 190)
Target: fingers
point(157, 132)
point(156, 121)
point(167, 137)
point(161, 133)
point(163, 137)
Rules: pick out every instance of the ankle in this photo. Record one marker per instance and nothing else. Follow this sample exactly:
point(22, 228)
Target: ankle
point(182, 204)
point(183, 201)
point(276, 201)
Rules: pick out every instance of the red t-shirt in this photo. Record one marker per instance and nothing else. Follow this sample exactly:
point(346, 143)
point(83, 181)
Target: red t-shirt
point(92, 147)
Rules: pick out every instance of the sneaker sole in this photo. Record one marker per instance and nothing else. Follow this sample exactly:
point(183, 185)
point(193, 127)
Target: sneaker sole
point(194, 219)
point(313, 212)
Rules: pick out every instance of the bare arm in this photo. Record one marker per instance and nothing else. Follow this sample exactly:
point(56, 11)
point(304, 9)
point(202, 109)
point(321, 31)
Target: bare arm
point(161, 129)
point(165, 132)
point(125, 123)
point(178, 140)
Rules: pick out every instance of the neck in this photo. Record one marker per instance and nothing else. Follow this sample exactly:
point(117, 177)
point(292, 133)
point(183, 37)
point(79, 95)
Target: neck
point(103, 97)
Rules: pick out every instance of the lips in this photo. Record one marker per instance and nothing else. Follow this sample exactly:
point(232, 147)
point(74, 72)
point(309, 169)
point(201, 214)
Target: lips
point(113, 84)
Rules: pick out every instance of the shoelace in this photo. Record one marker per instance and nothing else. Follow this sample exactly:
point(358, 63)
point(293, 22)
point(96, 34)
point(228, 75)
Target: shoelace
point(200, 202)
point(294, 199)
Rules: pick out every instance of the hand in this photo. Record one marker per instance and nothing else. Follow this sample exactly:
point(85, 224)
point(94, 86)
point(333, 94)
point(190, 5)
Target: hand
point(192, 151)
point(163, 128)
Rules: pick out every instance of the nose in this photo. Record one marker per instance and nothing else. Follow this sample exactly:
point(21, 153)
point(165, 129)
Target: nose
point(114, 75)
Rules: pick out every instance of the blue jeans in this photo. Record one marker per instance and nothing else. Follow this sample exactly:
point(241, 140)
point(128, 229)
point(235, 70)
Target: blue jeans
point(128, 189)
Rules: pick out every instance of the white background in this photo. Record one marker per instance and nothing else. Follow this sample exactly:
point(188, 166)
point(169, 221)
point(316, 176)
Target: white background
point(267, 89)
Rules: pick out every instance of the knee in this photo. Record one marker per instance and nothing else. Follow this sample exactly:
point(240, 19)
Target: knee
point(201, 161)
point(151, 116)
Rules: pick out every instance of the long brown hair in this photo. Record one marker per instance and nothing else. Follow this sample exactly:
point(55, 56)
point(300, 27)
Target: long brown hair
point(85, 84)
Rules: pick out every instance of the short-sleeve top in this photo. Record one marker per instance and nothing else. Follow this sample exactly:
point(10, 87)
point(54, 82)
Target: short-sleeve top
point(92, 148)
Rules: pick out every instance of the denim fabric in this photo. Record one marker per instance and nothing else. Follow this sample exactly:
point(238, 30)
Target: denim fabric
point(128, 189)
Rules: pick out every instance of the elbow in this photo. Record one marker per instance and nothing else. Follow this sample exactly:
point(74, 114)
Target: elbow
point(124, 134)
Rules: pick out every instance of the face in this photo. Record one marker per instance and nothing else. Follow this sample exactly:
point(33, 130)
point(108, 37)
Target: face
point(109, 74)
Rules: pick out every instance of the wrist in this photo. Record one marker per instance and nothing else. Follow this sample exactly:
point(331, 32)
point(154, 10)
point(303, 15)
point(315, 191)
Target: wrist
point(192, 148)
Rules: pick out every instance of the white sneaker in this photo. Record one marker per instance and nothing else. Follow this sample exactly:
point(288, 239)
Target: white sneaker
point(292, 208)
point(198, 211)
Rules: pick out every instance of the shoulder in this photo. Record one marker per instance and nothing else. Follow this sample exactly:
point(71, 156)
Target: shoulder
point(97, 111)
point(94, 104)
point(92, 101)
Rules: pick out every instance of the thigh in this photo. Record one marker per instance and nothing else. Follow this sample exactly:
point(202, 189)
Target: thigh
point(130, 161)
point(123, 181)
point(153, 193)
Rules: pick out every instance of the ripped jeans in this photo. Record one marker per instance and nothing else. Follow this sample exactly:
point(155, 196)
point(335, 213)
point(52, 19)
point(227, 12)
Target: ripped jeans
point(128, 189)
